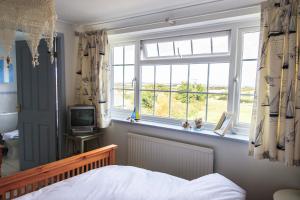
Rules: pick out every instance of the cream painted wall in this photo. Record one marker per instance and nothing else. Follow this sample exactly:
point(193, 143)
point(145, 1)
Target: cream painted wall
point(70, 46)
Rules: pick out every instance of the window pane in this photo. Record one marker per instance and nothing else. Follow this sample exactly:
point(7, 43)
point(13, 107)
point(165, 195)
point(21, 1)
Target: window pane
point(128, 99)
point(248, 77)
point(198, 77)
point(178, 105)
point(162, 77)
point(128, 76)
point(147, 102)
point(179, 77)
point(246, 105)
point(220, 44)
point(118, 98)
point(152, 50)
point(118, 55)
point(197, 106)
point(118, 76)
point(251, 45)
point(202, 46)
point(218, 77)
point(183, 47)
point(162, 104)
point(166, 49)
point(129, 54)
point(148, 77)
point(217, 104)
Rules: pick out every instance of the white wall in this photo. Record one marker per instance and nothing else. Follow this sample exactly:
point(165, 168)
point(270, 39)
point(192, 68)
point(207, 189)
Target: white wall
point(260, 178)
point(8, 98)
point(70, 46)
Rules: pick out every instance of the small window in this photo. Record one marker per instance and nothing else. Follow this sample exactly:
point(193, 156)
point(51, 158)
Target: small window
point(183, 48)
point(248, 73)
point(166, 49)
point(195, 45)
point(123, 76)
point(202, 46)
point(152, 50)
point(220, 44)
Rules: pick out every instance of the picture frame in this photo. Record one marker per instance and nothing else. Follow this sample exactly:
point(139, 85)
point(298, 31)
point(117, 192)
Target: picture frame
point(6, 72)
point(224, 124)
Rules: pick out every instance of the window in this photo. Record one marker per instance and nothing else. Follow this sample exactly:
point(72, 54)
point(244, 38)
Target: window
point(123, 75)
point(186, 77)
point(188, 90)
point(185, 91)
point(195, 45)
point(250, 41)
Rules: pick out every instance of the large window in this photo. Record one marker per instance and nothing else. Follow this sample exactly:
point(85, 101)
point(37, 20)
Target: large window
point(186, 77)
point(185, 91)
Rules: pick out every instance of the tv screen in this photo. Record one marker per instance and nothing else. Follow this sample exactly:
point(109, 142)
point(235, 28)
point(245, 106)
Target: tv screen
point(82, 117)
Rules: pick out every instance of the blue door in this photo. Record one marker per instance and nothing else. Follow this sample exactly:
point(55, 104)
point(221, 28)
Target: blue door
point(38, 108)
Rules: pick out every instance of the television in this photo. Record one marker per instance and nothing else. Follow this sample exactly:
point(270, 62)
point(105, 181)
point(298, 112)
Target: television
point(82, 119)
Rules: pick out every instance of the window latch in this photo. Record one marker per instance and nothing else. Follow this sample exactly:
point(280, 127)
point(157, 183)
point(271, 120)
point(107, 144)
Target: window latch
point(236, 79)
point(133, 82)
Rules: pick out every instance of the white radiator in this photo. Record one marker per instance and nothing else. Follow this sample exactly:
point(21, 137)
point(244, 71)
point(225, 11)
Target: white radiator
point(179, 159)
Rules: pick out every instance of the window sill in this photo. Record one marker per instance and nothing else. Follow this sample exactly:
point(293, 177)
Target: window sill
point(202, 131)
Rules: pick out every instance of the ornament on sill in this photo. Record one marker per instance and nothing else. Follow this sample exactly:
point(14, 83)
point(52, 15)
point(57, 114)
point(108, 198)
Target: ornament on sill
point(186, 124)
point(135, 116)
point(198, 123)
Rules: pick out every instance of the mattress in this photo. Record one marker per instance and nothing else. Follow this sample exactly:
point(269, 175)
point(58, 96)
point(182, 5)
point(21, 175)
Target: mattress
point(131, 183)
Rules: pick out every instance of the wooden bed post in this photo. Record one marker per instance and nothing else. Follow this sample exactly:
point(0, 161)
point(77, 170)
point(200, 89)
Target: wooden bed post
point(33, 179)
point(112, 157)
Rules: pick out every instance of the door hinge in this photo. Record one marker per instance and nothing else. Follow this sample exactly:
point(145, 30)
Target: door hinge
point(18, 108)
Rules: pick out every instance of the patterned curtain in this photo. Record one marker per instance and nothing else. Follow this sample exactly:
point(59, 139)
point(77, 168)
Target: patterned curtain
point(93, 75)
point(275, 127)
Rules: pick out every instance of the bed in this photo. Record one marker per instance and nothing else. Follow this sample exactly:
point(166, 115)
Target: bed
point(93, 175)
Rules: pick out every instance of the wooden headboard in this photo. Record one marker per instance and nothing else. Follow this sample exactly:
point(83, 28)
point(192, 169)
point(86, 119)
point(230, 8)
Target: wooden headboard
point(33, 179)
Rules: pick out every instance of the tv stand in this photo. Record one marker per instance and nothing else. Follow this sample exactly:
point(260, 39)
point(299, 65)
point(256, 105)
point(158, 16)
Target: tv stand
point(82, 131)
point(81, 138)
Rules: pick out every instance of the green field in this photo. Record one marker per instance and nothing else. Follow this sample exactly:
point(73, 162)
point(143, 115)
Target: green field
point(157, 103)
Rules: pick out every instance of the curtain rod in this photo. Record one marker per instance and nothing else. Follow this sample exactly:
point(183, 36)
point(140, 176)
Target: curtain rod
point(166, 21)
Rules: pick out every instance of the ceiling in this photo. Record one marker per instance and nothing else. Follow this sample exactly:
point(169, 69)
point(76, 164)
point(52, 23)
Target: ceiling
point(89, 11)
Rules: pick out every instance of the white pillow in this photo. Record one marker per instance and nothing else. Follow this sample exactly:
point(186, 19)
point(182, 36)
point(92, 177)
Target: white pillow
point(210, 187)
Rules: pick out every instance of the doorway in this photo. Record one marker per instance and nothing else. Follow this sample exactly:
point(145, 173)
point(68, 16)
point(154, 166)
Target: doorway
point(40, 104)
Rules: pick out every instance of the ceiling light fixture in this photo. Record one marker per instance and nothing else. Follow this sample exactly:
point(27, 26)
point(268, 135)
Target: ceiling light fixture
point(170, 21)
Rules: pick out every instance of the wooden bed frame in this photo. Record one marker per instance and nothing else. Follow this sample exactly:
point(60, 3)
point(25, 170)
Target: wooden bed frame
point(33, 179)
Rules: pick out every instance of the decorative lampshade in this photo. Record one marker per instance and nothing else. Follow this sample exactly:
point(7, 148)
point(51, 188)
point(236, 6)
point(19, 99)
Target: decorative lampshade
point(36, 18)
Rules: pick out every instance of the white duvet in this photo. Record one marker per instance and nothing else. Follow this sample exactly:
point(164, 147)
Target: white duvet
point(131, 183)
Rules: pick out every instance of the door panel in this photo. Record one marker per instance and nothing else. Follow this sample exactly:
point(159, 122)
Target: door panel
point(37, 98)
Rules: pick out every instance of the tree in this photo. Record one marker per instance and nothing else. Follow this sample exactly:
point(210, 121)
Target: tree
point(193, 97)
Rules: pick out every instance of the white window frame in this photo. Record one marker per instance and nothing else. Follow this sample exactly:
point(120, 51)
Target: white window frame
point(239, 126)
point(121, 44)
point(233, 58)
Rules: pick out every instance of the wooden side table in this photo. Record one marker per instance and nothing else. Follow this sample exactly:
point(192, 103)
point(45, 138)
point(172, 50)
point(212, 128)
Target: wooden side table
point(287, 194)
point(81, 139)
